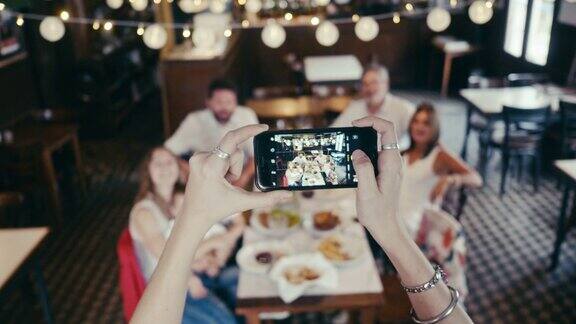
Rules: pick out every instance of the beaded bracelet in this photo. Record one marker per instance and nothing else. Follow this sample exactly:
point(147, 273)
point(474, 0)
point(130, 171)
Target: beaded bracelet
point(438, 275)
point(453, 302)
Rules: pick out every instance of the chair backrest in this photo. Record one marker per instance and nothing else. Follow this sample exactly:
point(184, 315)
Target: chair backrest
point(568, 119)
point(525, 79)
point(132, 283)
point(538, 119)
point(19, 162)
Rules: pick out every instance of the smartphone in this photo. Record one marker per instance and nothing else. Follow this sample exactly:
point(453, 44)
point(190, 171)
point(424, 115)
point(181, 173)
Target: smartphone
point(308, 159)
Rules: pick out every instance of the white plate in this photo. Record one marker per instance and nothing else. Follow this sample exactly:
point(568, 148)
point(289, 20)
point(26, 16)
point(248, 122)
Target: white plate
point(353, 245)
point(308, 224)
point(272, 232)
point(246, 257)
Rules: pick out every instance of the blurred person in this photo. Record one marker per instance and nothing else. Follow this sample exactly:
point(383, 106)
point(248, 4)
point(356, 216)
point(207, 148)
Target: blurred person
point(158, 202)
point(377, 101)
point(430, 169)
point(432, 299)
point(202, 130)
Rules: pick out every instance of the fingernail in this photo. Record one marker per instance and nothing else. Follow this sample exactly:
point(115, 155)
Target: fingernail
point(359, 156)
point(264, 126)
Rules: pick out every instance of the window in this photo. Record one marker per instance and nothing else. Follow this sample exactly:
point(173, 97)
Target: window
point(535, 46)
point(539, 32)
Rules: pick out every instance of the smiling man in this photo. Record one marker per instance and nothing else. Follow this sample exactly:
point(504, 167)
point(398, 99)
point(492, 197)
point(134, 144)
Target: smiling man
point(202, 130)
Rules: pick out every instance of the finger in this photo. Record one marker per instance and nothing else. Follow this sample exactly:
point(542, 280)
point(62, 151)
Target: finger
point(384, 127)
point(230, 142)
point(253, 199)
point(367, 185)
point(236, 166)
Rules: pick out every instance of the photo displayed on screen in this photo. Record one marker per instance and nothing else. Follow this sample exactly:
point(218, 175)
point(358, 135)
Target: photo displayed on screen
point(315, 159)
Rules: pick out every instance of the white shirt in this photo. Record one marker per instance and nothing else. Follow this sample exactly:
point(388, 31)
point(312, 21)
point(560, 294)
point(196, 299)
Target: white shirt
point(201, 132)
point(395, 109)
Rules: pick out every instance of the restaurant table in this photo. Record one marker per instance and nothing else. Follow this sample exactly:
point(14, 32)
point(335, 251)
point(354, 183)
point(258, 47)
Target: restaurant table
point(19, 261)
point(489, 103)
point(322, 69)
point(567, 169)
point(52, 138)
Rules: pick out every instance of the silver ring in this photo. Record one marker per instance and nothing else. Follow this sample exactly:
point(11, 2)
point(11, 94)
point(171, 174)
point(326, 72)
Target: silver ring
point(221, 154)
point(390, 146)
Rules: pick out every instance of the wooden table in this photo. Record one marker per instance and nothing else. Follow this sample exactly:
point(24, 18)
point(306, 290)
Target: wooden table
point(567, 169)
point(359, 288)
point(489, 103)
point(19, 259)
point(449, 56)
point(52, 138)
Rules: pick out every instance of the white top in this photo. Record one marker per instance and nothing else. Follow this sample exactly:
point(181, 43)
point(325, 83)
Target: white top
point(201, 132)
point(417, 183)
point(15, 247)
point(322, 68)
point(360, 278)
point(147, 260)
point(395, 109)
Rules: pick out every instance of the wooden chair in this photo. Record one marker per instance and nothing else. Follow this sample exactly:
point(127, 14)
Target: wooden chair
point(454, 201)
point(517, 142)
point(568, 129)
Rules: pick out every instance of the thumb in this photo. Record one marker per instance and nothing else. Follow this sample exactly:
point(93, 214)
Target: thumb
point(367, 184)
point(252, 200)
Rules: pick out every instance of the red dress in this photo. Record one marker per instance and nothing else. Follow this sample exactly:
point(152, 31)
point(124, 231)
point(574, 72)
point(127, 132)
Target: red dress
point(132, 283)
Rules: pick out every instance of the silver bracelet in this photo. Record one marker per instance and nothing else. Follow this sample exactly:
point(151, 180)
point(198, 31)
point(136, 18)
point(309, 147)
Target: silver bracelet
point(453, 302)
point(438, 275)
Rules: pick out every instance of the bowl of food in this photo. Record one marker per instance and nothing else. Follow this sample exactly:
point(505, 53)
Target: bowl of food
point(275, 222)
point(342, 250)
point(259, 257)
point(322, 223)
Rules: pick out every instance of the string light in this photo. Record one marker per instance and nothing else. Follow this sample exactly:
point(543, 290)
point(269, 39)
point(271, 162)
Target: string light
point(2, 6)
point(169, 1)
point(409, 7)
point(96, 25)
point(288, 16)
point(155, 36)
point(489, 4)
point(228, 33)
point(114, 4)
point(108, 25)
point(327, 33)
point(355, 18)
point(245, 23)
point(438, 19)
point(52, 29)
point(366, 29)
point(453, 3)
point(20, 21)
point(241, 2)
point(140, 30)
point(396, 18)
point(64, 15)
point(157, 1)
point(315, 21)
point(186, 32)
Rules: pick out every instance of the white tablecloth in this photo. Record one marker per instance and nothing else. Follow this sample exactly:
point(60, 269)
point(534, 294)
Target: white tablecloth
point(360, 278)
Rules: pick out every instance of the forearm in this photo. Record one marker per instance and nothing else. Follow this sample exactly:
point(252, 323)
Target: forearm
point(414, 270)
point(166, 291)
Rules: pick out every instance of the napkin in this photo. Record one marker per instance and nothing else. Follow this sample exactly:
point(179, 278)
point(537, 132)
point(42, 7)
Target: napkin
point(290, 292)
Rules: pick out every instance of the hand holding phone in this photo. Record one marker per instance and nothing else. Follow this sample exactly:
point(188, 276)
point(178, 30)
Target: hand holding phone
point(311, 158)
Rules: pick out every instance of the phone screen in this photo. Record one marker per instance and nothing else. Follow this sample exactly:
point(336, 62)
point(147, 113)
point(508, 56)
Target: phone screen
point(311, 159)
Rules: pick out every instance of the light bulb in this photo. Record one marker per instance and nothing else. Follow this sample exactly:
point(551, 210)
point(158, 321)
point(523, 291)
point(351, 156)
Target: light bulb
point(241, 2)
point(409, 7)
point(453, 3)
point(327, 33)
point(396, 18)
point(108, 25)
point(114, 4)
point(355, 18)
point(245, 23)
point(489, 4)
point(2, 6)
point(366, 29)
point(479, 12)
point(20, 21)
point(157, 1)
point(315, 21)
point(273, 34)
point(96, 25)
point(186, 32)
point(139, 5)
point(253, 6)
point(322, 3)
point(193, 6)
point(155, 36)
point(288, 16)
point(64, 15)
point(228, 33)
point(438, 19)
point(52, 29)
point(140, 30)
